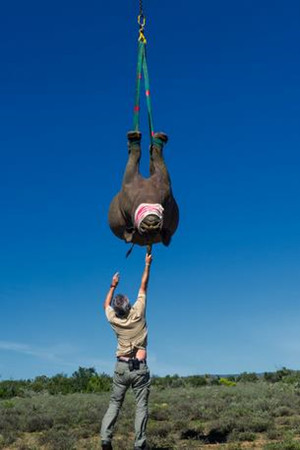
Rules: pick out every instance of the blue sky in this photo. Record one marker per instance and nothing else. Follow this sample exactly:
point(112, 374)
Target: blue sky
point(224, 297)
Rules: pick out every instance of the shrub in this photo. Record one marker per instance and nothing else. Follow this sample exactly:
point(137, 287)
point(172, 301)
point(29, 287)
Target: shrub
point(169, 381)
point(159, 443)
point(40, 384)
point(234, 446)
point(226, 382)
point(283, 411)
point(60, 384)
point(274, 434)
point(159, 413)
point(292, 378)
point(7, 438)
point(274, 377)
point(10, 388)
point(58, 439)
point(196, 381)
point(283, 445)
point(247, 377)
point(99, 383)
point(81, 378)
point(257, 424)
point(162, 430)
point(9, 420)
point(39, 422)
point(242, 436)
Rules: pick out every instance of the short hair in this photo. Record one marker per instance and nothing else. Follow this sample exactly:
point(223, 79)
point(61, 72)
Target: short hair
point(121, 305)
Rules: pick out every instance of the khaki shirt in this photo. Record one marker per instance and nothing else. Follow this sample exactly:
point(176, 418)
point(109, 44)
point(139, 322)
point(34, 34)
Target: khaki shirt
point(131, 331)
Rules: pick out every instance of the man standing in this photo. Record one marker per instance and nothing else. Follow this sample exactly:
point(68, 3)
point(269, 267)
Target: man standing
point(129, 324)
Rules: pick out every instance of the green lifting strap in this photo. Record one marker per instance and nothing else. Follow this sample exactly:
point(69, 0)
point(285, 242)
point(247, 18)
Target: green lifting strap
point(142, 68)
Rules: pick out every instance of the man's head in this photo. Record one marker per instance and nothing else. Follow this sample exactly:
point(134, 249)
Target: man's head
point(121, 305)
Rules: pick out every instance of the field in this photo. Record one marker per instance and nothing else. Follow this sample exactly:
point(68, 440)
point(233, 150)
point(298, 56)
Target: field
point(228, 415)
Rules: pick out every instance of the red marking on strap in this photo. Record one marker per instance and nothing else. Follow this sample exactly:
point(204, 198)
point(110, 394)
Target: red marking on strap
point(140, 76)
point(147, 93)
point(136, 108)
point(152, 133)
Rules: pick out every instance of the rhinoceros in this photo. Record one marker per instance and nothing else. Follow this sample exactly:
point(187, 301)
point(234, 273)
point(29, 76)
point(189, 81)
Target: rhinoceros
point(145, 212)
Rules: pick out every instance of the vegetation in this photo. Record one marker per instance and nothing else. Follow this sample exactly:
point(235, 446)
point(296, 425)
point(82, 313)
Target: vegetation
point(64, 413)
point(83, 380)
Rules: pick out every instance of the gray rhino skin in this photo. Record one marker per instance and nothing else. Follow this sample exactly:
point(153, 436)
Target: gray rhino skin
point(136, 190)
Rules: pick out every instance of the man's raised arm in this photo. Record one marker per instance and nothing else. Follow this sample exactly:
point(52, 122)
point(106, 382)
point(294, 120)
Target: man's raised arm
point(146, 273)
point(109, 296)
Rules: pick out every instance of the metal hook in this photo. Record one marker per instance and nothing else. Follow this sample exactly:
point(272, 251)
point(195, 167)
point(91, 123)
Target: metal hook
point(141, 20)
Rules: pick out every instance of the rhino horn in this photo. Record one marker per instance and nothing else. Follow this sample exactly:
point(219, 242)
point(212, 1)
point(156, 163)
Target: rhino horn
point(128, 235)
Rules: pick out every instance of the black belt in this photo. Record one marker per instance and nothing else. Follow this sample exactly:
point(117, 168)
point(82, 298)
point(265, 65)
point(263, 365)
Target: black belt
point(120, 359)
point(133, 363)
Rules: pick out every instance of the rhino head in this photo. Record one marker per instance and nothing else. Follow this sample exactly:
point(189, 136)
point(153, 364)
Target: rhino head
point(148, 223)
point(151, 225)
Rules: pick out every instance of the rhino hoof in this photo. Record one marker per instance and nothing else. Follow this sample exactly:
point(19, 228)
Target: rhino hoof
point(161, 136)
point(134, 136)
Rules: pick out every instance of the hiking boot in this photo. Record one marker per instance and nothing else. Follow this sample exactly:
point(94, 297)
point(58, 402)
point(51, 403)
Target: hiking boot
point(106, 445)
point(161, 136)
point(134, 136)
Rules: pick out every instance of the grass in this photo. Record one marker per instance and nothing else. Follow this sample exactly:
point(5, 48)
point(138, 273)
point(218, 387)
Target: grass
point(253, 415)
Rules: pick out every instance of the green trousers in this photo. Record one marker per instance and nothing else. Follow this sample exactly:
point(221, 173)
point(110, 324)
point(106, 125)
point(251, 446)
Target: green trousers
point(123, 378)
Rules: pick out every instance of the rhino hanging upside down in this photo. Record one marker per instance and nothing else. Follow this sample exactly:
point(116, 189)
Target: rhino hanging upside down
point(145, 212)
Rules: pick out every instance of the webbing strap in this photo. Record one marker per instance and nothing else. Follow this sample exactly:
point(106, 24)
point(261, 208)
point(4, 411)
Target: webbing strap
point(142, 68)
point(148, 98)
point(136, 111)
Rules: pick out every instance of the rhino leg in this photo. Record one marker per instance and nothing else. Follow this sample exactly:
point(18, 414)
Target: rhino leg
point(161, 177)
point(157, 163)
point(134, 155)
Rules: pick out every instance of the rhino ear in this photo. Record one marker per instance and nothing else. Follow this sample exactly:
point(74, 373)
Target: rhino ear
point(166, 237)
point(128, 235)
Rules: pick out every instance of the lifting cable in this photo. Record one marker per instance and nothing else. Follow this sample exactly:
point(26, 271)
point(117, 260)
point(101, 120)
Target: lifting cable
point(142, 67)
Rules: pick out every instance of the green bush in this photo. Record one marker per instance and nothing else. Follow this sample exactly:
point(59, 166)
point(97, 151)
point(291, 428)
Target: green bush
point(81, 378)
point(40, 384)
point(283, 445)
point(10, 388)
point(283, 411)
point(8, 438)
point(226, 382)
point(39, 422)
point(247, 377)
point(58, 439)
point(241, 436)
point(283, 374)
point(274, 434)
point(196, 381)
point(99, 383)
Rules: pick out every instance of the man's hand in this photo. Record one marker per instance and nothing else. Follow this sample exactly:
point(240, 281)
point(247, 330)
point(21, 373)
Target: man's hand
point(145, 276)
point(148, 259)
point(115, 280)
point(114, 284)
